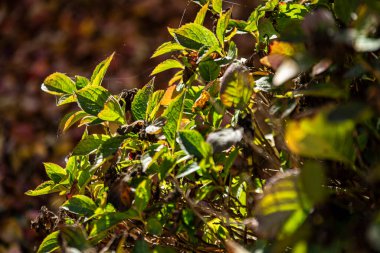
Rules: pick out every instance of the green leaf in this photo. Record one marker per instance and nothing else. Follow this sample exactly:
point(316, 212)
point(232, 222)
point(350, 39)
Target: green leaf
point(70, 119)
point(201, 14)
point(81, 82)
point(166, 65)
point(44, 188)
point(209, 70)
point(192, 142)
point(167, 47)
point(154, 104)
point(75, 237)
point(66, 99)
point(109, 220)
point(91, 99)
point(112, 111)
point(317, 137)
point(236, 86)
point(188, 169)
point(217, 5)
point(58, 84)
point(293, 11)
point(50, 243)
point(282, 198)
point(90, 144)
point(221, 26)
point(267, 31)
point(100, 71)
point(194, 36)
point(140, 102)
point(55, 172)
point(142, 195)
point(110, 146)
point(174, 116)
point(81, 205)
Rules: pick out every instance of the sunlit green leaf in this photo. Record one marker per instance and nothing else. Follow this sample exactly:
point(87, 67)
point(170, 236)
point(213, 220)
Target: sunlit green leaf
point(281, 199)
point(166, 65)
point(75, 237)
point(92, 99)
point(142, 195)
point(154, 104)
point(89, 144)
point(58, 84)
point(236, 86)
point(81, 205)
point(66, 99)
point(316, 137)
point(201, 14)
point(45, 188)
point(217, 5)
point(112, 111)
point(109, 220)
point(194, 36)
point(140, 101)
point(55, 172)
point(50, 243)
point(191, 141)
point(167, 47)
point(209, 70)
point(100, 71)
point(221, 26)
point(110, 146)
point(174, 115)
point(81, 82)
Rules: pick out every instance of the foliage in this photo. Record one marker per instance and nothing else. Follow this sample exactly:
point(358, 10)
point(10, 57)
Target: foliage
point(273, 153)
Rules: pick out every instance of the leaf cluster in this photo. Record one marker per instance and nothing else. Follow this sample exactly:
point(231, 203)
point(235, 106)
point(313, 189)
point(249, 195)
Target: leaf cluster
point(273, 153)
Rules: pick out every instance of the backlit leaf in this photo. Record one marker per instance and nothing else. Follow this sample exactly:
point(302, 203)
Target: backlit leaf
point(100, 71)
point(201, 14)
point(191, 141)
point(92, 99)
point(140, 101)
point(55, 172)
point(221, 26)
point(142, 195)
point(154, 104)
point(174, 115)
point(81, 82)
point(58, 84)
point(89, 144)
point(44, 188)
point(281, 199)
point(194, 36)
point(167, 47)
point(217, 5)
point(317, 137)
point(112, 111)
point(109, 220)
point(81, 205)
point(209, 70)
point(166, 65)
point(236, 86)
point(50, 243)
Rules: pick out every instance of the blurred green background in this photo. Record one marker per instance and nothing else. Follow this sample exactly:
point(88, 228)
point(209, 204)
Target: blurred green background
point(39, 37)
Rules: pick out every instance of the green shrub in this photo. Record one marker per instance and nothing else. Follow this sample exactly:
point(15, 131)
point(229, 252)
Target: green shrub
point(278, 152)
